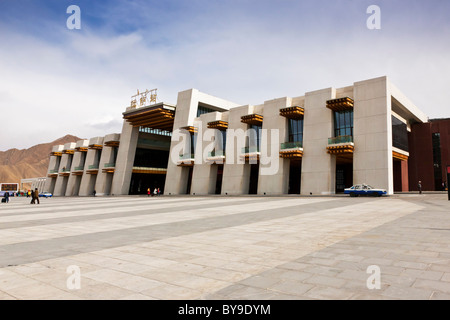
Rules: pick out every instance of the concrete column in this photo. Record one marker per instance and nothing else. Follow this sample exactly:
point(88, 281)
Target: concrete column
point(53, 168)
point(64, 168)
point(236, 173)
point(92, 161)
point(125, 159)
point(405, 180)
point(204, 174)
point(73, 185)
point(102, 185)
point(372, 159)
point(176, 177)
point(318, 167)
point(274, 171)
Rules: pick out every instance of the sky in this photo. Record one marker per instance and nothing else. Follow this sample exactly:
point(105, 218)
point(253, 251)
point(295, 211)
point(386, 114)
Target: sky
point(56, 81)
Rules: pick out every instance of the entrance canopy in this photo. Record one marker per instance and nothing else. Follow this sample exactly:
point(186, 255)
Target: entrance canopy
point(158, 116)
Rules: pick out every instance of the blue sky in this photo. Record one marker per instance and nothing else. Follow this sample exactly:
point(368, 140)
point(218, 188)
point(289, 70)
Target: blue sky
point(55, 81)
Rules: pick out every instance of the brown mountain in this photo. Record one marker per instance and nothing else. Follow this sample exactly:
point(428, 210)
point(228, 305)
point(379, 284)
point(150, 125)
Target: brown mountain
point(28, 163)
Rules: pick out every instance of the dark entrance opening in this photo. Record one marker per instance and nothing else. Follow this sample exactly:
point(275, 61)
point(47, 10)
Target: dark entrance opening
point(344, 176)
point(400, 172)
point(147, 159)
point(254, 174)
point(189, 180)
point(141, 182)
point(219, 179)
point(295, 171)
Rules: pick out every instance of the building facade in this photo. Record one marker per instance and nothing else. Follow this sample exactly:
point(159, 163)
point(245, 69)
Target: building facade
point(318, 143)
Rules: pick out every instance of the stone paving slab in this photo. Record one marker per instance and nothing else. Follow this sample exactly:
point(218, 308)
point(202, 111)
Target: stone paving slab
point(224, 248)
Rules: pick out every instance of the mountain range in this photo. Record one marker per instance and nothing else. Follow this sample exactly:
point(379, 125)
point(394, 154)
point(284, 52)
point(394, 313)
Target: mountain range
point(28, 163)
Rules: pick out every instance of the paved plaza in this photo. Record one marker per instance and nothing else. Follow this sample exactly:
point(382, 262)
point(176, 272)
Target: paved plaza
point(245, 247)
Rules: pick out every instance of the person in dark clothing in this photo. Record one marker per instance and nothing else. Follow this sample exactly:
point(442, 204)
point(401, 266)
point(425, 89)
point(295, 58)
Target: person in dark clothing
point(35, 196)
point(419, 186)
point(6, 196)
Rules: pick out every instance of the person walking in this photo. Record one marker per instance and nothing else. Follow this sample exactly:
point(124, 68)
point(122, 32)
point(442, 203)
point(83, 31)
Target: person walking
point(148, 192)
point(6, 196)
point(35, 196)
point(32, 197)
point(155, 192)
point(159, 192)
point(419, 186)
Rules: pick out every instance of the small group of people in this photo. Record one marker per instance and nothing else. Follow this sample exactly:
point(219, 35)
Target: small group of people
point(156, 192)
point(34, 196)
point(419, 186)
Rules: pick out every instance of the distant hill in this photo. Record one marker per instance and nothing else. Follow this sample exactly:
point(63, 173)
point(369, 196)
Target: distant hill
point(28, 163)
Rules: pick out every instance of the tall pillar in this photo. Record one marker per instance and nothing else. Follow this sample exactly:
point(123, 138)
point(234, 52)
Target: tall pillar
point(107, 165)
point(91, 166)
point(53, 168)
point(372, 130)
point(204, 173)
point(318, 167)
point(405, 180)
point(236, 173)
point(64, 169)
point(125, 159)
point(274, 171)
point(77, 169)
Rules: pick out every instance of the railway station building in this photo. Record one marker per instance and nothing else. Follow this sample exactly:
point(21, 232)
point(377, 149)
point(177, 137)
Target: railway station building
point(317, 143)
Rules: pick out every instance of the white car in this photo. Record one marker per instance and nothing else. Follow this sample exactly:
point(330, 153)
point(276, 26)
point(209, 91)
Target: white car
point(45, 195)
point(364, 190)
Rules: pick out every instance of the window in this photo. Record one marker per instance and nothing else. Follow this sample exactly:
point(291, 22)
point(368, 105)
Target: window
point(255, 140)
point(343, 123)
point(295, 130)
point(224, 139)
point(193, 142)
point(399, 134)
point(436, 139)
point(155, 131)
point(202, 110)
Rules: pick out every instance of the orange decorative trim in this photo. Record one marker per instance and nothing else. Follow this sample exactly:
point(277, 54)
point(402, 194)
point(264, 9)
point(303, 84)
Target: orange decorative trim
point(96, 146)
point(340, 104)
point(191, 129)
point(112, 143)
point(291, 154)
point(399, 156)
point(337, 149)
point(221, 125)
point(255, 119)
point(294, 112)
point(56, 154)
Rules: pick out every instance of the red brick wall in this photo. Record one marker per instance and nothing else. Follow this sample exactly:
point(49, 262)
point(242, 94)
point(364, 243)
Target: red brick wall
point(420, 162)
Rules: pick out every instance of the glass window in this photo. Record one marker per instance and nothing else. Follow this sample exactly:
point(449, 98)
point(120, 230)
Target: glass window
point(202, 110)
point(437, 163)
point(224, 139)
point(399, 134)
point(155, 131)
point(295, 130)
point(254, 139)
point(343, 123)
